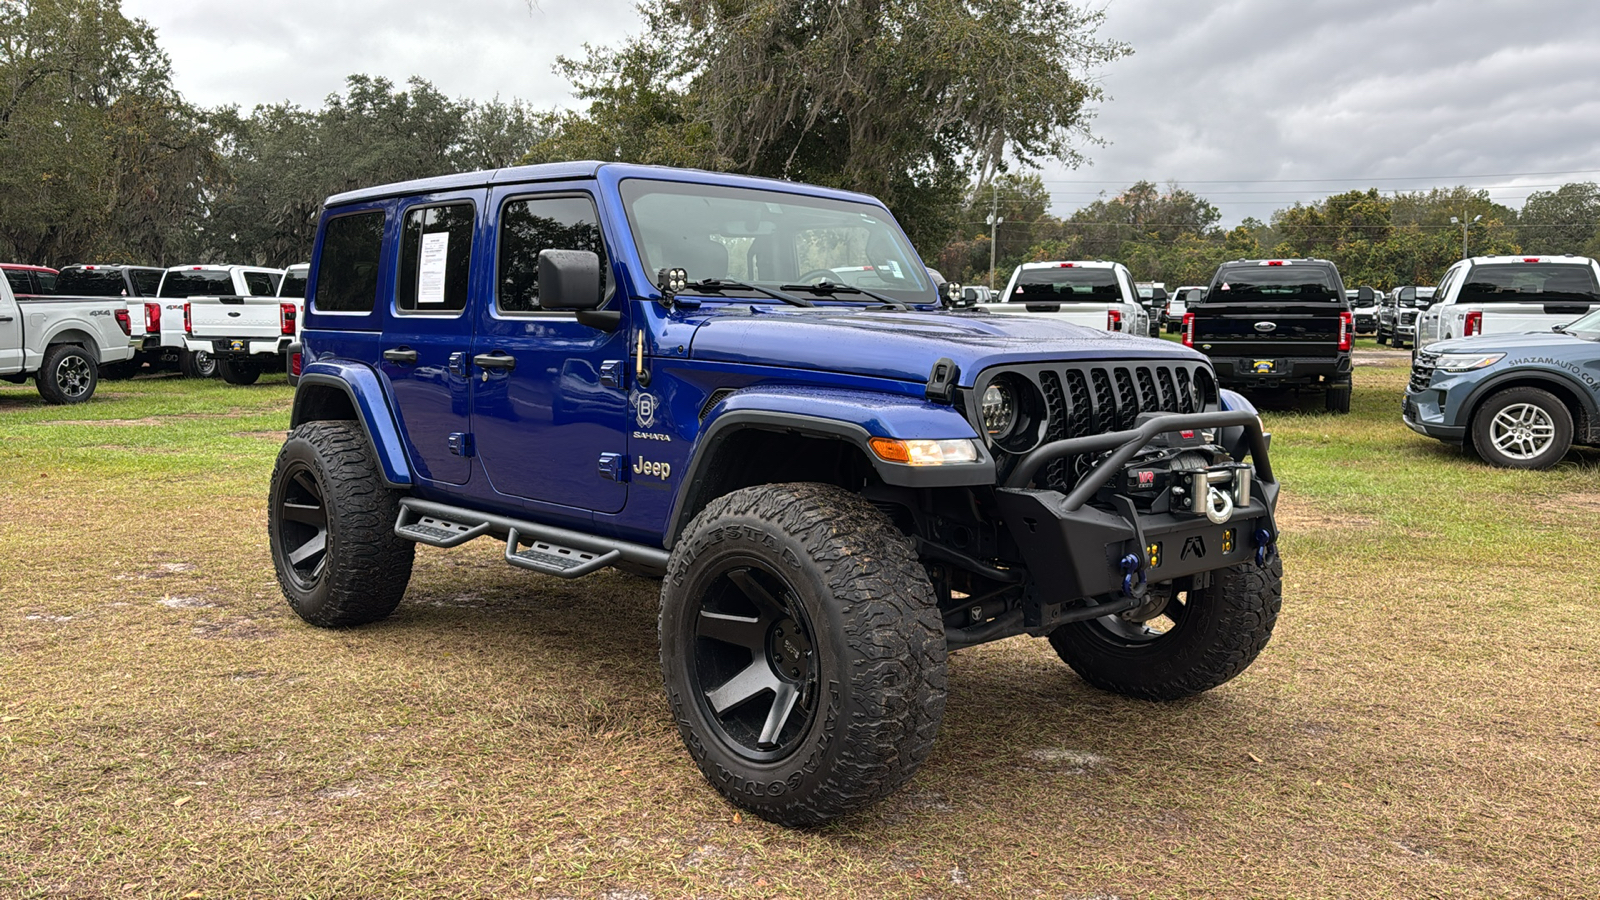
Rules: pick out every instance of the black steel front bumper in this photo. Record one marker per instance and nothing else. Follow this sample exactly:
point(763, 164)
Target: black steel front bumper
point(1077, 552)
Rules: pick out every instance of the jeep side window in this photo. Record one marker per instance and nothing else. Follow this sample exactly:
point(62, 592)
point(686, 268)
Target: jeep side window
point(435, 259)
point(347, 272)
point(259, 283)
point(531, 224)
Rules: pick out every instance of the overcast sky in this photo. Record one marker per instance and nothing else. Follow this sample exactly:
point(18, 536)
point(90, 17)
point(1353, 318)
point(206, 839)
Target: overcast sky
point(1253, 104)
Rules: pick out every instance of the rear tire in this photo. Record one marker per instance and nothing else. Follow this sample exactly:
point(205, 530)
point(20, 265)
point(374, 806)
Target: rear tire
point(1217, 633)
point(238, 371)
point(1522, 428)
point(68, 374)
point(1337, 398)
point(802, 650)
point(330, 525)
point(197, 364)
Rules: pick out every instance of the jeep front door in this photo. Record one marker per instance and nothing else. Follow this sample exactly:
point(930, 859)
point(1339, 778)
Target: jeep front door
point(550, 411)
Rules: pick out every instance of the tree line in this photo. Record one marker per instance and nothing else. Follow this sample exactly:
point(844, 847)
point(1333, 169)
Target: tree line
point(942, 108)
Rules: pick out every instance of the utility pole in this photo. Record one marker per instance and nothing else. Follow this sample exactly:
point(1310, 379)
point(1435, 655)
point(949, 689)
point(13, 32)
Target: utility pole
point(994, 221)
point(1456, 221)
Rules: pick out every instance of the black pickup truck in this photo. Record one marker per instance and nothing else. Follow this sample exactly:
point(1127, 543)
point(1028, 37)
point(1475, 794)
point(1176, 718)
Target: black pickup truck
point(1274, 324)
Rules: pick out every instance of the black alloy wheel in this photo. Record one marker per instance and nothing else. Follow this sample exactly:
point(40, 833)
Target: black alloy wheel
point(755, 665)
point(302, 525)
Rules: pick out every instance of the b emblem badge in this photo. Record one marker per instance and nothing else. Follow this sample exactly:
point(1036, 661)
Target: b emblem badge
point(647, 410)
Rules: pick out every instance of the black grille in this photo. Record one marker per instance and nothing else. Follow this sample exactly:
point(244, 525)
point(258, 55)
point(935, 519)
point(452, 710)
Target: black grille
point(1408, 317)
point(1088, 398)
point(1422, 370)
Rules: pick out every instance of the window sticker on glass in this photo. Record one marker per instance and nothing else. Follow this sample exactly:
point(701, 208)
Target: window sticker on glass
point(430, 267)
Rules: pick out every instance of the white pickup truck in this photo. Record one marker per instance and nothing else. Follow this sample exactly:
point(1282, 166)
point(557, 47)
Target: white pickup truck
point(1507, 295)
point(1097, 294)
point(61, 341)
point(249, 331)
point(182, 285)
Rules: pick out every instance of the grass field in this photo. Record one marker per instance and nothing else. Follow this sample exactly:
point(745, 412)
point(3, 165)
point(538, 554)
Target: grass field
point(1425, 722)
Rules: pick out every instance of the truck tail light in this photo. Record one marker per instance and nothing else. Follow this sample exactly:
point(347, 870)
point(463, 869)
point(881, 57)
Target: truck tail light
point(1188, 329)
point(188, 321)
point(152, 318)
point(295, 363)
point(124, 322)
point(1347, 334)
point(1113, 320)
point(286, 316)
point(1474, 324)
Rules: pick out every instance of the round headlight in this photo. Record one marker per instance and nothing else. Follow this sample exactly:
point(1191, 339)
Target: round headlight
point(999, 410)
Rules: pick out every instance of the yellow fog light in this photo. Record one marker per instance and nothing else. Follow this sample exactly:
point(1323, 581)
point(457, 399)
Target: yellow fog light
point(925, 452)
point(1227, 541)
point(1154, 553)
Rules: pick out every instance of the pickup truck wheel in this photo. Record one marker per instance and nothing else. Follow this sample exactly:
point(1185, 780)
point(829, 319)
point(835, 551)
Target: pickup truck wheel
point(198, 364)
point(1522, 428)
point(1337, 397)
point(68, 374)
point(1202, 639)
point(330, 523)
point(802, 651)
point(238, 371)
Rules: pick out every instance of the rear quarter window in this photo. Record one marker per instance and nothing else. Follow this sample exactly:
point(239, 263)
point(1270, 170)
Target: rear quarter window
point(347, 270)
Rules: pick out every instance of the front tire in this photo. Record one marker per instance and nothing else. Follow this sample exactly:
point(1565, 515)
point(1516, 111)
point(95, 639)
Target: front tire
point(1522, 428)
point(1198, 642)
point(68, 374)
point(238, 371)
point(802, 650)
point(330, 524)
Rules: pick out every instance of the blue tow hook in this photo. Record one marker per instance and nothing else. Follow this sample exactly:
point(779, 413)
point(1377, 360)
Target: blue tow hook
point(1130, 568)
point(1266, 547)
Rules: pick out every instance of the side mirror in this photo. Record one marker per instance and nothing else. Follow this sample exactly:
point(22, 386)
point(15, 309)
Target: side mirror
point(1407, 295)
point(571, 279)
point(1366, 294)
point(1194, 295)
point(1159, 295)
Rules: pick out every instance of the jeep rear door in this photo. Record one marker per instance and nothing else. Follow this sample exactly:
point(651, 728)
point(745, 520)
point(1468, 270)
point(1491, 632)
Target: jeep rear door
point(550, 409)
point(428, 335)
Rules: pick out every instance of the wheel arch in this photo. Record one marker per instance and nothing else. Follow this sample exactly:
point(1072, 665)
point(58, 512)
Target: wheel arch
point(746, 445)
point(1585, 421)
point(353, 392)
point(82, 339)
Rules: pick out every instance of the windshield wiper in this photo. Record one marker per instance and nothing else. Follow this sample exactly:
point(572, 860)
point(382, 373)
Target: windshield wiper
point(829, 288)
point(721, 285)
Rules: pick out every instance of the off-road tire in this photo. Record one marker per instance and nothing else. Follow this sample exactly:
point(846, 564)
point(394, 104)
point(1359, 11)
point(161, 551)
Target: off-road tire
point(364, 567)
point(1337, 397)
point(877, 636)
point(1220, 635)
point(238, 371)
point(1560, 419)
point(197, 364)
point(68, 374)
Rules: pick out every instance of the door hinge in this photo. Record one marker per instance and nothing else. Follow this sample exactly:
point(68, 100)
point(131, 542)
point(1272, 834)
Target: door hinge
point(461, 444)
point(611, 372)
point(458, 364)
point(614, 467)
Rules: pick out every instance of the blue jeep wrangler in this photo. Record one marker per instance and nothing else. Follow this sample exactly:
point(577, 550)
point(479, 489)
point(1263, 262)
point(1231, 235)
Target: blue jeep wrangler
point(754, 390)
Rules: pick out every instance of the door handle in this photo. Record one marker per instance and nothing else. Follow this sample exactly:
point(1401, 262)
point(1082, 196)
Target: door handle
point(499, 359)
point(5, 319)
point(403, 355)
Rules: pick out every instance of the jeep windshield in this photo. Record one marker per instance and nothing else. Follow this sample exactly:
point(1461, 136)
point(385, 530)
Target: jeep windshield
point(1530, 283)
point(95, 282)
point(773, 240)
point(1274, 284)
point(1066, 284)
point(197, 284)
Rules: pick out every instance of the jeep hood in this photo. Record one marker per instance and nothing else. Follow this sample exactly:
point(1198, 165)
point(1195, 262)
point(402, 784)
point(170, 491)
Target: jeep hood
point(903, 345)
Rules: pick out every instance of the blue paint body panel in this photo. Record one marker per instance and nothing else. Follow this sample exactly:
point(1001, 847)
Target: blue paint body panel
point(545, 436)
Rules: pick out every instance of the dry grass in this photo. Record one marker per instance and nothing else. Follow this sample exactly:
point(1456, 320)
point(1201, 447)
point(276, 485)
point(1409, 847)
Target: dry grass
point(1426, 721)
